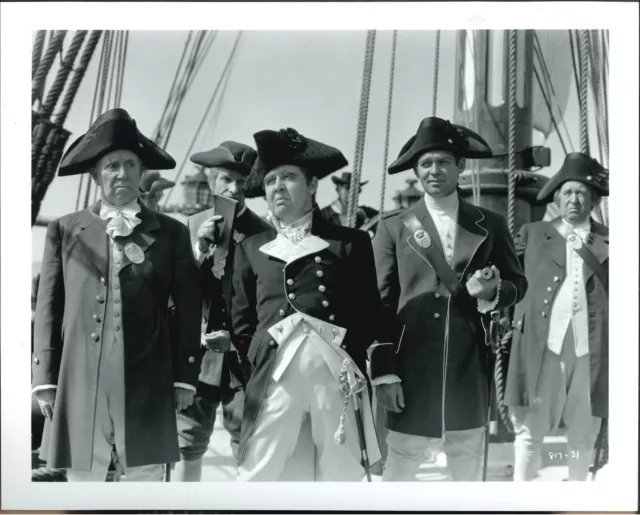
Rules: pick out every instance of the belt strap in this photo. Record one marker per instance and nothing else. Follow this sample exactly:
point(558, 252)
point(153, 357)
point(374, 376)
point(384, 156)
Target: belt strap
point(583, 251)
point(436, 259)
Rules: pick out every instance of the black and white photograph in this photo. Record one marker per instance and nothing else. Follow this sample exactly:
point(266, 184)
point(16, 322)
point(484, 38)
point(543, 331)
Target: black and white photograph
point(323, 244)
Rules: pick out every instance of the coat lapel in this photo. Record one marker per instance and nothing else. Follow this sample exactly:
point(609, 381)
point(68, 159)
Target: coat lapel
point(554, 246)
point(599, 245)
point(93, 237)
point(470, 233)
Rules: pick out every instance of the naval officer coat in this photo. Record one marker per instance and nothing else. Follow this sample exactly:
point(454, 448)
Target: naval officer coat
point(334, 283)
point(543, 253)
point(70, 313)
point(222, 369)
point(434, 345)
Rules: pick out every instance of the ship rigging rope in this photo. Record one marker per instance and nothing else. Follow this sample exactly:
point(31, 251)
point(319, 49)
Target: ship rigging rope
point(511, 215)
point(215, 116)
point(354, 190)
point(38, 46)
point(436, 67)
point(55, 45)
point(584, 89)
point(385, 160)
point(205, 115)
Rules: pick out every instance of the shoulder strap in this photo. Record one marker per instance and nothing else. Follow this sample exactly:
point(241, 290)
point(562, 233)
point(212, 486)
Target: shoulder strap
point(435, 258)
point(583, 251)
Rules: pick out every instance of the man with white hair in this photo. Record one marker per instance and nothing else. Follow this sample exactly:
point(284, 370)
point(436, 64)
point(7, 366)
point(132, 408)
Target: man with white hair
point(106, 373)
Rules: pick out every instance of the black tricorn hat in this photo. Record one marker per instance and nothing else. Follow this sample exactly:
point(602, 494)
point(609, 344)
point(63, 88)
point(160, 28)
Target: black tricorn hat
point(344, 179)
point(288, 147)
point(230, 155)
point(577, 167)
point(438, 134)
point(152, 182)
point(113, 130)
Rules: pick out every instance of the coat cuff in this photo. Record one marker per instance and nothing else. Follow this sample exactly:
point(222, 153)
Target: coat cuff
point(382, 357)
point(484, 306)
point(386, 379)
point(185, 386)
point(43, 387)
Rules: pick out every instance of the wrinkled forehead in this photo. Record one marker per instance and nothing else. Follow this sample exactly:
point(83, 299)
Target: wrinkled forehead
point(284, 170)
point(574, 186)
point(437, 156)
point(119, 157)
point(225, 173)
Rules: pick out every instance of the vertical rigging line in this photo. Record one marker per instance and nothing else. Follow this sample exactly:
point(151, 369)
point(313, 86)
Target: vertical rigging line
point(388, 127)
point(435, 74)
point(584, 89)
point(513, 35)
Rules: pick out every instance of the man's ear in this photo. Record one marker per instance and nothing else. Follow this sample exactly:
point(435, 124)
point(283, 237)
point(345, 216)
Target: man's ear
point(461, 164)
point(313, 185)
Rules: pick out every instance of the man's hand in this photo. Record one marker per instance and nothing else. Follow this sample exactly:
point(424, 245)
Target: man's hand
point(481, 288)
point(46, 399)
point(209, 233)
point(183, 398)
point(391, 396)
point(217, 341)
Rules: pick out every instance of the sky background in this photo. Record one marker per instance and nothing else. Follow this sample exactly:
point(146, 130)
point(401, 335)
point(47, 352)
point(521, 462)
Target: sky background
point(308, 80)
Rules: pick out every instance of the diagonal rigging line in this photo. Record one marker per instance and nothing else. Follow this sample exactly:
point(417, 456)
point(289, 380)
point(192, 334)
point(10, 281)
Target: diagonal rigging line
point(553, 119)
point(205, 115)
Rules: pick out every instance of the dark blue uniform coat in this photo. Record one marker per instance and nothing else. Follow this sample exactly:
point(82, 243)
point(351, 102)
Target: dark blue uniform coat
point(70, 309)
point(439, 349)
point(336, 285)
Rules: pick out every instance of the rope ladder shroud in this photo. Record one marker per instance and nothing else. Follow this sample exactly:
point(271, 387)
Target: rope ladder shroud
point(354, 189)
point(388, 126)
point(44, 66)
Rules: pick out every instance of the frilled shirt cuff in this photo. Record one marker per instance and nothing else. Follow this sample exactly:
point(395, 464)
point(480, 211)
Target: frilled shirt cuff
point(201, 256)
point(43, 387)
point(186, 386)
point(386, 379)
point(484, 306)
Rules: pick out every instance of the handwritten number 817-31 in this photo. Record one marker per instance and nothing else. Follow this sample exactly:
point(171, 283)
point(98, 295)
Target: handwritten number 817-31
point(560, 455)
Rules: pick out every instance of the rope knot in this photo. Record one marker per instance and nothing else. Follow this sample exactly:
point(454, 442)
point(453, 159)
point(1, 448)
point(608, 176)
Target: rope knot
point(349, 384)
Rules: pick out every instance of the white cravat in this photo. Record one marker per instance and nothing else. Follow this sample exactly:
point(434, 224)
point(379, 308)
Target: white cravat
point(294, 231)
point(444, 212)
point(122, 219)
point(570, 305)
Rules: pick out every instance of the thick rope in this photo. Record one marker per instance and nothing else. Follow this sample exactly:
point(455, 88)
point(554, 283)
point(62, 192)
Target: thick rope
point(55, 44)
point(354, 190)
point(511, 213)
point(435, 75)
point(78, 75)
point(385, 161)
point(500, 379)
point(38, 46)
point(584, 90)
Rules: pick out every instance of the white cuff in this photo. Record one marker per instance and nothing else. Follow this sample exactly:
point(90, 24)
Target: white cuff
point(200, 256)
point(43, 387)
point(186, 386)
point(484, 306)
point(386, 379)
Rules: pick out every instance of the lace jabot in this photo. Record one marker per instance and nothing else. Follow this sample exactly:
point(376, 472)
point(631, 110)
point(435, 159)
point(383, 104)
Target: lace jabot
point(294, 231)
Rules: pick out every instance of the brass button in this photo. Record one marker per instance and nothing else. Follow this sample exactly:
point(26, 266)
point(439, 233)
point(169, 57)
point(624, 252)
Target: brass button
point(544, 314)
point(192, 359)
point(116, 327)
point(546, 301)
point(343, 346)
point(290, 282)
point(116, 314)
point(273, 343)
point(332, 318)
point(325, 303)
point(520, 324)
point(436, 315)
point(292, 296)
point(436, 295)
point(556, 279)
point(282, 312)
point(318, 259)
point(223, 310)
point(97, 318)
point(95, 337)
point(103, 280)
point(319, 273)
point(116, 286)
point(36, 361)
point(100, 299)
point(321, 288)
point(224, 324)
point(549, 289)
point(589, 178)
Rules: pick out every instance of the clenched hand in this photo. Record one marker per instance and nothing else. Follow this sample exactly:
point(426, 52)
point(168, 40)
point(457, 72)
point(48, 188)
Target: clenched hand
point(183, 398)
point(484, 289)
point(46, 399)
point(391, 396)
point(209, 233)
